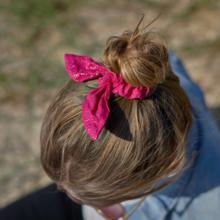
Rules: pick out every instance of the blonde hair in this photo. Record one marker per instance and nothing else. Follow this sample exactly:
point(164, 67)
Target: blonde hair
point(144, 140)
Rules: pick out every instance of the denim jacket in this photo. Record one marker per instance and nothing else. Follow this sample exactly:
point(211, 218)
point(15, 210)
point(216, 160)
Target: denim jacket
point(196, 193)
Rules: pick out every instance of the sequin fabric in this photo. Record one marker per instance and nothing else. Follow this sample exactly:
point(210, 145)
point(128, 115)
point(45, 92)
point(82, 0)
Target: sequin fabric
point(95, 109)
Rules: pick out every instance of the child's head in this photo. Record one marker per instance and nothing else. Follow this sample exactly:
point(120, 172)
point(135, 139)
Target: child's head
point(143, 141)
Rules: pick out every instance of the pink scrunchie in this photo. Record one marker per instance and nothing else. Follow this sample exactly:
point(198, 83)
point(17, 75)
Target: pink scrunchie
point(95, 109)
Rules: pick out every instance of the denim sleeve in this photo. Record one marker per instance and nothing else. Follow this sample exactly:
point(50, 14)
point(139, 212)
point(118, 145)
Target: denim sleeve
point(192, 89)
point(178, 66)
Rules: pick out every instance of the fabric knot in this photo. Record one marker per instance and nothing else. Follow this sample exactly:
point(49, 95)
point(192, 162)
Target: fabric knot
point(95, 108)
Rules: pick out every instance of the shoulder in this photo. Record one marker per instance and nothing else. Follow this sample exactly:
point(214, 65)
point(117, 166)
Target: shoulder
point(193, 90)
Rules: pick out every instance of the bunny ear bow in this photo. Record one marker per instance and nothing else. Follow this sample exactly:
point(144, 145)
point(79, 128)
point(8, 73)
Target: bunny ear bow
point(95, 109)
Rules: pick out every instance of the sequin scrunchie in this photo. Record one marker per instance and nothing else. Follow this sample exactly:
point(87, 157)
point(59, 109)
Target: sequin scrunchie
point(95, 109)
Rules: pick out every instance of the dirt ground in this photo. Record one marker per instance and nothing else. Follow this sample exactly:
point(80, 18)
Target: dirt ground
point(34, 35)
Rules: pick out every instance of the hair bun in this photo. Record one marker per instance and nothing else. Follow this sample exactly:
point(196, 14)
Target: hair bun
point(115, 48)
point(141, 59)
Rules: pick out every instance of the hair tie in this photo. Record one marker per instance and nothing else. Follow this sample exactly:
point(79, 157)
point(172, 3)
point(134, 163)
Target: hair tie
point(95, 109)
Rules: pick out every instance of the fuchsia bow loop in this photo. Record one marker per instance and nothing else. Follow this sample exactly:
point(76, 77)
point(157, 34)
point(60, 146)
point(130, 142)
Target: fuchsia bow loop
point(95, 109)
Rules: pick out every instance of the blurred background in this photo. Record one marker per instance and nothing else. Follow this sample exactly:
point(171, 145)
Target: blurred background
point(34, 35)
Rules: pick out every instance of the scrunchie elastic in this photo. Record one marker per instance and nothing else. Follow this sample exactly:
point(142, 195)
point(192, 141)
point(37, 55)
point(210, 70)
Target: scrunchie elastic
point(95, 109)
